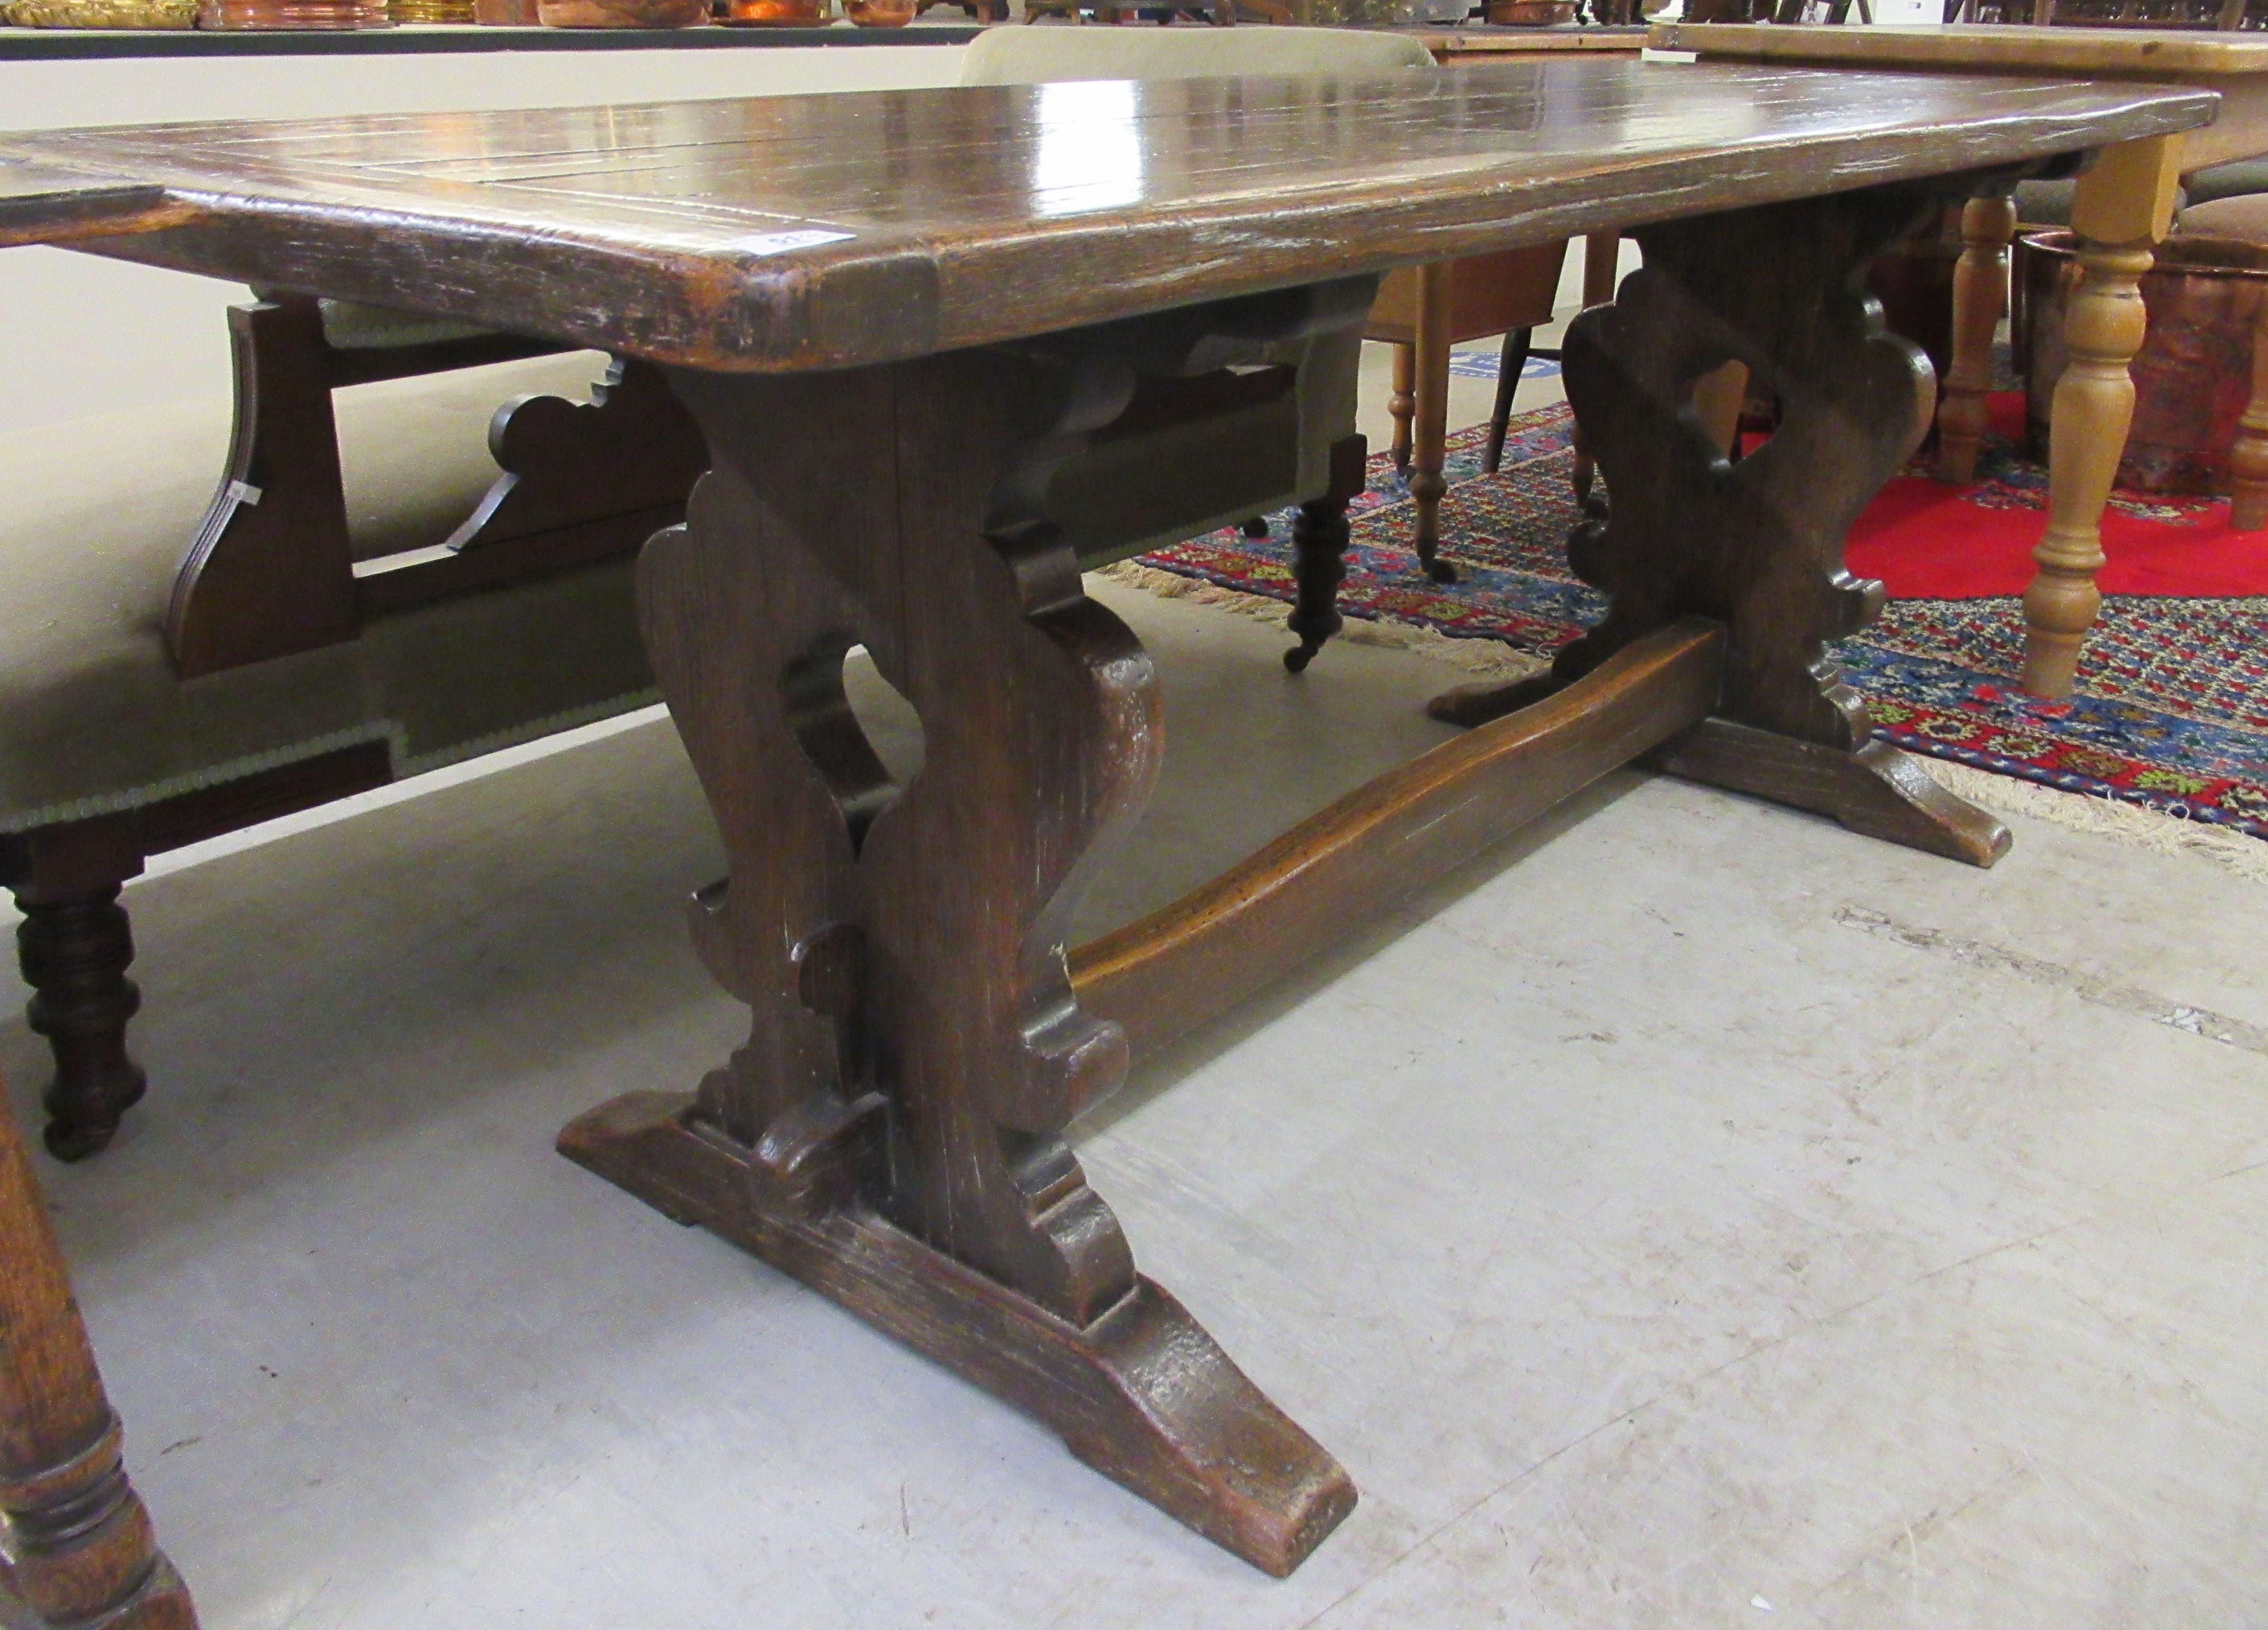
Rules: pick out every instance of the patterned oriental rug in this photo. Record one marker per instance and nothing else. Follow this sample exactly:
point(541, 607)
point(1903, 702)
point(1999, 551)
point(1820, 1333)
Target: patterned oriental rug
point(2172, 707)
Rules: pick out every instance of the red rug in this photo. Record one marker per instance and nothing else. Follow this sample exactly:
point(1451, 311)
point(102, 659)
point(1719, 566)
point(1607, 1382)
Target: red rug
point(1928, 542)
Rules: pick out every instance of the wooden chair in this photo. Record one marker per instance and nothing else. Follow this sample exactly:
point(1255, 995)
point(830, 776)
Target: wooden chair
point(1422, 312)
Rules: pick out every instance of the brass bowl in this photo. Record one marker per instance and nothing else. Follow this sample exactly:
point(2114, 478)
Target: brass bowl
point(100, 14)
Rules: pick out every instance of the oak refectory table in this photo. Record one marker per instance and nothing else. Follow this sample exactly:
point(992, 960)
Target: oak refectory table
point(895, 314)
point(2122, 211)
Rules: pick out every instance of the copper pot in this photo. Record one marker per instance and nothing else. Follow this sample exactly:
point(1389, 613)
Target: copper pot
point(2193, 374)
point(1530, 14)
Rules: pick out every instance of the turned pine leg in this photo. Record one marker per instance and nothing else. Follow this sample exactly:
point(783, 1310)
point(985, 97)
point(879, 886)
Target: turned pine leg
point(74, 946)
point(1431, 434)
point(2248, 460)
point(2123, 207)
point(75, 1547)
point(1319, 543)
point(892, 1132)
point(1756, 545)
point(1980, 291)
point(1402, 405)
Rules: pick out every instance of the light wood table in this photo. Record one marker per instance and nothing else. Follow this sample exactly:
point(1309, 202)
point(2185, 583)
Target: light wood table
point(896, 316)
point(2123, 211)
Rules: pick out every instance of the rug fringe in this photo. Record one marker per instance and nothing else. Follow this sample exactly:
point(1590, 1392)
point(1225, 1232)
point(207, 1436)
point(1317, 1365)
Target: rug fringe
point(1490, 658)
point(2133, 824)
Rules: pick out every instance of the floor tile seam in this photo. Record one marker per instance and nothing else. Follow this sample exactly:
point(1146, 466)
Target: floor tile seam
point(1807, 1327)
point(2102, 991)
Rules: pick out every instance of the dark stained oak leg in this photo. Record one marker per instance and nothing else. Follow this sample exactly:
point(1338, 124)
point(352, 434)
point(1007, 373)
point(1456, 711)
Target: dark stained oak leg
point(77, 1550)
point(892, 1132)
point(1757, 545)
point(1511, 362)
point(1431, 422)
point(1319, 541)
point(75, 945)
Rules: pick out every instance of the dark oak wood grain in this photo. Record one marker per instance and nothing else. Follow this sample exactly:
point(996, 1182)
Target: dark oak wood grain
point(1756, 545)
point(271, 571)
point(894, 318)
point(794, 232)
point(42, 204)
point(892, 1132)
point(1220, 944)
point(79, 1553)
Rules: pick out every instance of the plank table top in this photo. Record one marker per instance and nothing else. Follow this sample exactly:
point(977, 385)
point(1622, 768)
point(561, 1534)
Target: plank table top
point(42, 204)
point(2234, 64)
point(781, 233)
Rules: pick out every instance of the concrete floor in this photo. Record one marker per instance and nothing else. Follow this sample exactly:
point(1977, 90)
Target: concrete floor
point(1690, 1215)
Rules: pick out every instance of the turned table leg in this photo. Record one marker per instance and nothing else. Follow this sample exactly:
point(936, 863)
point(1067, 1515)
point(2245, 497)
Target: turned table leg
point(2123, 207)
point(1756, 545)
point(75, 1547)
point(74, 946)
point(1401, 403)
point(892, 1132)
point(1318, 544)
point(1426, 485)
point(1980, 292)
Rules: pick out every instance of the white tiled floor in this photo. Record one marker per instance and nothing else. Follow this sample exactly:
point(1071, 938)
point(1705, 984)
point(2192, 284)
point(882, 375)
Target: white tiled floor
point(1656, 1242)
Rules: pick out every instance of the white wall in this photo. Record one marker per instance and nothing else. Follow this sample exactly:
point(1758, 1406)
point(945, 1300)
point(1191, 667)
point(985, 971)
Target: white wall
point(87, 336)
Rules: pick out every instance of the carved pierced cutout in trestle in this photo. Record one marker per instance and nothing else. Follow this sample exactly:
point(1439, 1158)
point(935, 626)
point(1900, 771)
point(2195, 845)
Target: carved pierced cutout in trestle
point(1756, 545)
point(892, 1132)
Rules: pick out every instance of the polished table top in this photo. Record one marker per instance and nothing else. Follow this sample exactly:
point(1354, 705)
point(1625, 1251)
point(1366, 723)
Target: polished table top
point(42, 204)
point(788, 233)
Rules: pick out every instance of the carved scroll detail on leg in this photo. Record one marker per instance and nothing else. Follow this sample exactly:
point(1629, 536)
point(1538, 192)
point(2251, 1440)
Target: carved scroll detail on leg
point(1755, 545)
point(892, 1132)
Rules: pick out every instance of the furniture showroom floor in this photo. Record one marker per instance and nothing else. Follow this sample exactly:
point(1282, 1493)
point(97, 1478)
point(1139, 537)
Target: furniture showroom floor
point(1662, 1229)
